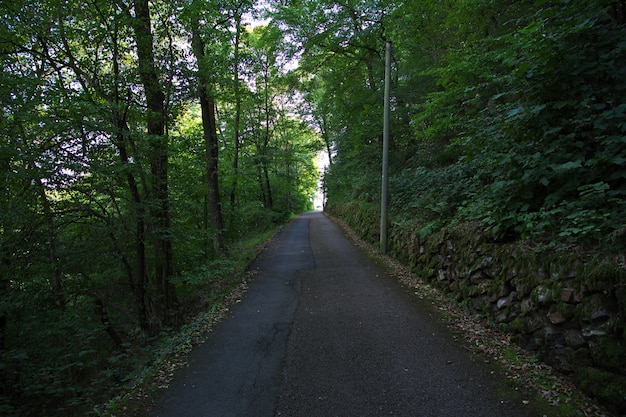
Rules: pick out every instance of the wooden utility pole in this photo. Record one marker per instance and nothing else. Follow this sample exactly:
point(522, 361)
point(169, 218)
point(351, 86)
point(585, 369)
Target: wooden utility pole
point(384, 198)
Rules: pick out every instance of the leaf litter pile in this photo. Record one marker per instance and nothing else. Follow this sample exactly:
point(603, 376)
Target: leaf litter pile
point(524, 371)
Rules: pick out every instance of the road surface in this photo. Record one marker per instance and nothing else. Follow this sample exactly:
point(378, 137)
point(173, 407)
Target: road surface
point(324, 331)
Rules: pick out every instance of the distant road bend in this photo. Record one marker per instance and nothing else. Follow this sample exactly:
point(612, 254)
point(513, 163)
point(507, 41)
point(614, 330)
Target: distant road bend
point(323, 331)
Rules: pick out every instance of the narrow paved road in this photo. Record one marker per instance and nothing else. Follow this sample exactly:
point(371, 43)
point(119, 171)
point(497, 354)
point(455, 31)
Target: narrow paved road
point(323, 331)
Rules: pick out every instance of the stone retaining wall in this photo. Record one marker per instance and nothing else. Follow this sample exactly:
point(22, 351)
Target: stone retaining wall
point(567, 306)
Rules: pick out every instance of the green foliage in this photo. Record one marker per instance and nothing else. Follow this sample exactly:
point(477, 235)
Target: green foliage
point(511, 115)
point(559, 174)
point(433, 190)
point(86, 212)
point(518, 123)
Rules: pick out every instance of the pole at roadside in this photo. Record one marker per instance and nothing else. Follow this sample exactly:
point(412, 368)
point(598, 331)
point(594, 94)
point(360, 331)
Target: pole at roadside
point(384, 198)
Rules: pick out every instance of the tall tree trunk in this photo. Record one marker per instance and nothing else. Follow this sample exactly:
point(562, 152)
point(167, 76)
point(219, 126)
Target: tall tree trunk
point(136, 273)
point(259, 170)
point(155, 100)
point(108, 326)
point(207, 106)
point(57, 282)
point(327, 142)
point(233, 190)
point(269, 199)
point(5, 264)
point(269, 202)
point(138, 277)
point(212, 158)
point(5, 286)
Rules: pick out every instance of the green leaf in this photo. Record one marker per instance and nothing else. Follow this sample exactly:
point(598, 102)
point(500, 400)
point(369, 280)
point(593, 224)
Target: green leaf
point(516, 111)
point(568, 166)
point(537, 109)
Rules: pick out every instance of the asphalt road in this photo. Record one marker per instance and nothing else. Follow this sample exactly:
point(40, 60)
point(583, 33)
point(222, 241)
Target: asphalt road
point(324, 331)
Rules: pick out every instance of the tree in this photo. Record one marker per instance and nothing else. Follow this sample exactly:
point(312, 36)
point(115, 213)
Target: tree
point(77, 186)
point(101, 146)
point(155, 119)
point(237, 93)
point(206, 94)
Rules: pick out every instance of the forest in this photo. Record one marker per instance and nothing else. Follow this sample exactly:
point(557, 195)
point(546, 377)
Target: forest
point(147, 147)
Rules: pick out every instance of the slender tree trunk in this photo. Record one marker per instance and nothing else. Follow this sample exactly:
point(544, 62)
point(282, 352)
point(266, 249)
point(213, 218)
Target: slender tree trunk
point(137, 275)
point(261, 185)
point(52, 247)
point(155, 100)
point(48, 216)
point(233, 190)
point(269, 202)
point(259, 171)
point(138, 278)
point(5, 264)
point(207, 106)
point(266, 140)
point(108, 326)
point(212, 158)
point(5, 286)
point(324, 128)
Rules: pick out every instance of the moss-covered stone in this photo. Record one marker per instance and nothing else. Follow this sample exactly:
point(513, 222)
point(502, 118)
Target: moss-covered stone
point(610, 354)
point(518, 325)
point(608, 387)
